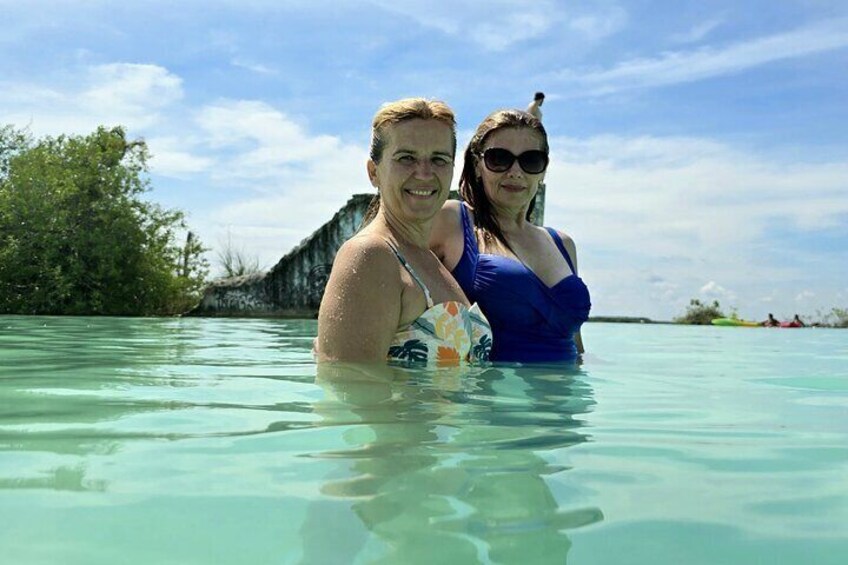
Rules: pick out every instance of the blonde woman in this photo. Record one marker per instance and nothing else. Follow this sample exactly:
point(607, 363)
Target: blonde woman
point(388, 296)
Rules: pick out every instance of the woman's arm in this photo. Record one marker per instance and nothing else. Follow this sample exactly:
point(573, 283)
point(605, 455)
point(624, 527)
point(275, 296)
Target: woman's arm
point(571, 248)
point(578, 341)
point(361, 307)
point(375, 373)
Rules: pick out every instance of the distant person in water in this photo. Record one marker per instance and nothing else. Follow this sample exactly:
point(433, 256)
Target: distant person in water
point(771, 322)
point(796, 322)
point(535, 107)
point(388, 296)
point(523, 276)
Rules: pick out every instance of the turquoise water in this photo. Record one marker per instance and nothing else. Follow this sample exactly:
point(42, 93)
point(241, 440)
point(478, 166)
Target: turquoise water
point(209, 441)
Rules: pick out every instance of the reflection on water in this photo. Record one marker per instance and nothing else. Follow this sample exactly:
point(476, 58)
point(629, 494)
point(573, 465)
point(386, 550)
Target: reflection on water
point(451, 467)
point(417, 465)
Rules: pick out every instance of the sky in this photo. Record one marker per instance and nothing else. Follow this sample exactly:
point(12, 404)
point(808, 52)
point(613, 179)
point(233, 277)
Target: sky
point(698, 150)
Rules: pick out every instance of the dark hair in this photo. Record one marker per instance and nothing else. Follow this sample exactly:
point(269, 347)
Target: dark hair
point(471, 185)
point(539, 96)
point(392, 113)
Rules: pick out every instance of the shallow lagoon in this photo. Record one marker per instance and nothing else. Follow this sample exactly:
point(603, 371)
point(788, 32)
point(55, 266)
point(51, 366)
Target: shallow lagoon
point(209, 441)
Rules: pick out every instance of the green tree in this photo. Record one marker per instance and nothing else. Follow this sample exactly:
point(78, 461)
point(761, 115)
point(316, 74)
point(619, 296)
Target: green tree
point(837, 318)
point(700, 313)
point(76, 237)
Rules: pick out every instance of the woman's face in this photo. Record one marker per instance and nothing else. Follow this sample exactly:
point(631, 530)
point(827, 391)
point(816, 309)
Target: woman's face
point(415, 170)
point(514, 188)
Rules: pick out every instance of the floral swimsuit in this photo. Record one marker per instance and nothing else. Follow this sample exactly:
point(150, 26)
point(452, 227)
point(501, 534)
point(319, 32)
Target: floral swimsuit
point(446, 334)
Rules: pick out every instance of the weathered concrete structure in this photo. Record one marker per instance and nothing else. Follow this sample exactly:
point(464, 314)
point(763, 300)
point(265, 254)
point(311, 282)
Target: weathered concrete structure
point(294, 286)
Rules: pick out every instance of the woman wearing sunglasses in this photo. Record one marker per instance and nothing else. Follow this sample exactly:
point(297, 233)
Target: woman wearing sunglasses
point(523, 277)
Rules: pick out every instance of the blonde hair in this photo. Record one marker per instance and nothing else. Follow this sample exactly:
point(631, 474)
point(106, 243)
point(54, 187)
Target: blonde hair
point(392, 113)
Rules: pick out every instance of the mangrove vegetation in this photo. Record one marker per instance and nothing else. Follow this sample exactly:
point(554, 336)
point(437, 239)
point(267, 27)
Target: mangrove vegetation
point(77, 236)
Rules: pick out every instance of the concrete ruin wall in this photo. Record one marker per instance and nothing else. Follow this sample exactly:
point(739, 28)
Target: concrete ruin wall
point(295, 285)
point(236, 296)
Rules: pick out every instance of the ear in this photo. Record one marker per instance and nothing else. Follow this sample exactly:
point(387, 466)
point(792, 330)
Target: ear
point(372, 172)
point(540, 180)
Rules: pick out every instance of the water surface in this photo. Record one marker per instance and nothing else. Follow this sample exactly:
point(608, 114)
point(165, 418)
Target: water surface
point(209, 441)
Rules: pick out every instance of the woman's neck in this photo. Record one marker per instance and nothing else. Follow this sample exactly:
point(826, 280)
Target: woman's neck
point(512, 220)
point(415, 235)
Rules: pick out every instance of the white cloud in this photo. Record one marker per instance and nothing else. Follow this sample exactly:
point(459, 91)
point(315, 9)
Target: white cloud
point(599, 25)
point(698, 32)
point(169, 158)
point(676, 194)
point(663, 290)
point(126, 94)
point(496, 25)
point(714, 290)
point(770, 298)
point(687, 66)
point(262, 148)
point(509, 29)
point(130, 88)
point(290, 181)
point(804, 295)
point(686, 210)
point(253, 67)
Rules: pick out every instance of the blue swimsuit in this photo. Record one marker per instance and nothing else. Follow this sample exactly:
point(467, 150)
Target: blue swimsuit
point(531, 322)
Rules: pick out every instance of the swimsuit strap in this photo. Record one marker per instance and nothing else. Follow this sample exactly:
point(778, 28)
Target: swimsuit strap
point(411, 272)
point(561, 248)
point(468, 235)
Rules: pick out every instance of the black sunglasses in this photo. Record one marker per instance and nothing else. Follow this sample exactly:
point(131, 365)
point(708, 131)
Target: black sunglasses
point(531, 162)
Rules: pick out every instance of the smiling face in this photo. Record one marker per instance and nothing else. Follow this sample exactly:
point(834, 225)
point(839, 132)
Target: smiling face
point(512, 189)
point(415, 169)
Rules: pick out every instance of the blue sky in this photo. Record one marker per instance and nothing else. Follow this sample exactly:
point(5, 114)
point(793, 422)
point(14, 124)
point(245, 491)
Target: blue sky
point(698, 149)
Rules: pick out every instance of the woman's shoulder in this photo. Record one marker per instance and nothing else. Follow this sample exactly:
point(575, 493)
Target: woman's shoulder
point(567, 241)
point(449, 215)
point(454, 205)
point(368, 256)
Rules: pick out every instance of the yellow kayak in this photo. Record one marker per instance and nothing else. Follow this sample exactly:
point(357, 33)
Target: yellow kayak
point(735, 322)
